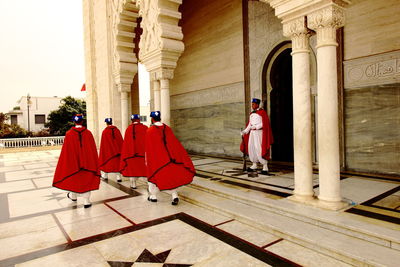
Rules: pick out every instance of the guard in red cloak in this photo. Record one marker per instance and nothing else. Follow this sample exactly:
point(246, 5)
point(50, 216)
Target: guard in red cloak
point(168, 164)
point(257, 138)
point(110, 150)
point(77, 168)
point(132, 163)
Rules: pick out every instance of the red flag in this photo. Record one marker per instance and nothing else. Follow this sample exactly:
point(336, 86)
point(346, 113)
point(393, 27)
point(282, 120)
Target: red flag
point(83, 87)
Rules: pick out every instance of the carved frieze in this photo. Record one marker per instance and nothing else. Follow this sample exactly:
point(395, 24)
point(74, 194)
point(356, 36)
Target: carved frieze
point(161, 41)
point(372, 70)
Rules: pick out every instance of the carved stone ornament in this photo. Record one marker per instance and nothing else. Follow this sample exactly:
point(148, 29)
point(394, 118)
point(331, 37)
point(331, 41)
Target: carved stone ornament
point(373, 70)
point(124, 15)
point(161, 41)
point(297, 30)
point(325, 21)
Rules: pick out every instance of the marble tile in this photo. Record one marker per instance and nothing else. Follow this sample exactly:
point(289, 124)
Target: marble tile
point(36, 166)
point(83, 256)
point(94, 225)
point(77, 215)
point(106, 191)
point(121, 248)
point(206, 161)
point(10, 187)
point(197, 250)
point(25, 226)
point(47, 199)
point(12, 168)
point(31, 241)
point(43, 182)
point(360, 190)
point(231, 257)
point(203, 214)
point(304, 256)
point(29, 174)
point(391, 202)
point(248, 233)
point(166, 234)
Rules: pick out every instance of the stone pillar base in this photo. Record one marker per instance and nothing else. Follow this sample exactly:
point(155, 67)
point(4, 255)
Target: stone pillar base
point(304, 199)
point(318, 203)
point(329, 205)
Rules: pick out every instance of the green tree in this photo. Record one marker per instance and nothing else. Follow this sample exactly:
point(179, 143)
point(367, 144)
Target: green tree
point(60, 120)
point(10, 131)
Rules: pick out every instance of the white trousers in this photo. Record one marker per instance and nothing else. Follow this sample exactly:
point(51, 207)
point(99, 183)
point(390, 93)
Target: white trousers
point(85, 196)
point(153, 190)
point(255, 149)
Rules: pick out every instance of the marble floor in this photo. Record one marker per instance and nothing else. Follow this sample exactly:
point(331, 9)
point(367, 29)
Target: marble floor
point(39, 226)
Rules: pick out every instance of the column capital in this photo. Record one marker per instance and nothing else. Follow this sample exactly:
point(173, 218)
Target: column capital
point(124, 87)
point(297, 30)
point(325, 21)
point(162, 74)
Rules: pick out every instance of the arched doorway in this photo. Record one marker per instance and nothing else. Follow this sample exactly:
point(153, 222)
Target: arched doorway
point(279, 91)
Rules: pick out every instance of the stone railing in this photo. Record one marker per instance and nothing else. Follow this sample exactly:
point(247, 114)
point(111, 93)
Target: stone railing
point(31, 142)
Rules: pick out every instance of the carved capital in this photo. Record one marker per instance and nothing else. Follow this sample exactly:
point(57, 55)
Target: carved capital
point(124, 87)
point(325, 21)
point(297, 30)
point(162, 74)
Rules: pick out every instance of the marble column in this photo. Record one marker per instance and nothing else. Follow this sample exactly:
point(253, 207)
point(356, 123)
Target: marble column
point(157, 97)
point(165, 101)
point(124, 90)
point(325, 22)
point(302, 132)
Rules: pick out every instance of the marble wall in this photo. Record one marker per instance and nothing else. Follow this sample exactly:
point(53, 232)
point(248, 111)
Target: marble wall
point(212, 125)
point(372, 126)
point(207, 91)
point(371, 27)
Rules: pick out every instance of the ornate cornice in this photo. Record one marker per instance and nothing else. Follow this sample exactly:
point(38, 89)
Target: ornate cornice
point(325, 21)
point(161, 42)
point(298, 32)
point(124, 16)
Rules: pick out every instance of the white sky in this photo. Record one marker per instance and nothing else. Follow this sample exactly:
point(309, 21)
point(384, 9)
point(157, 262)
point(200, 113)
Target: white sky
point(41, 50)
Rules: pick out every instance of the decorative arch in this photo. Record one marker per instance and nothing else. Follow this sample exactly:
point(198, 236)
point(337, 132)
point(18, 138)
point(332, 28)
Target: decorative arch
point(124, 23)
point(161, 42)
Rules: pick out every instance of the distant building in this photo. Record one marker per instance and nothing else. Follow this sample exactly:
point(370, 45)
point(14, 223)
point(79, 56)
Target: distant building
point(38, 110)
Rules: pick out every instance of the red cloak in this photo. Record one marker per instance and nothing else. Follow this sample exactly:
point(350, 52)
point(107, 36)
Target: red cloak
point(110, 149)
point(267, 138)
point(168, 164)
point(132, 156)
point(77, 168)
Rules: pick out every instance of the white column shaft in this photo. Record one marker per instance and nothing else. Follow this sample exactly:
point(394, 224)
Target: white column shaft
point(328, 136)
point(157, 100)
point(302, 124)
point(165, 101)
point(124, 111)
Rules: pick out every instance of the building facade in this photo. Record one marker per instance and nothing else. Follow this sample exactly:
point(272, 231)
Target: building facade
point(328, 72)
point(31, 114)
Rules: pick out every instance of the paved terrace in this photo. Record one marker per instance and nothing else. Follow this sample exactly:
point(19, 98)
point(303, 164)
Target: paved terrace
point(225, 218)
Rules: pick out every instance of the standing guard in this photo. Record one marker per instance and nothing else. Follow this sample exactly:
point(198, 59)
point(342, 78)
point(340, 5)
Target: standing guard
point(77, 168)
point(257, 138)
point(132, 163)
point(168, 164)
point(110, 150)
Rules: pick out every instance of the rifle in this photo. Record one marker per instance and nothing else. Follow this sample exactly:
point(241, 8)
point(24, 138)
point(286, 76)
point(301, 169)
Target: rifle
point(244, 153)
